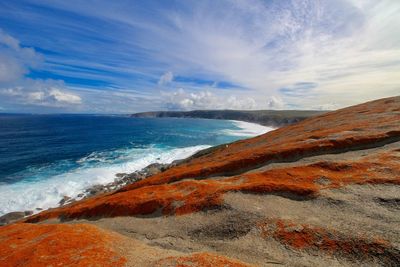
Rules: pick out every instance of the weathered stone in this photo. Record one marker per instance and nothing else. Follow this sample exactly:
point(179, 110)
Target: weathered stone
point(120, 175)
point(300, 168)
point(11, 217)
point(28, 212)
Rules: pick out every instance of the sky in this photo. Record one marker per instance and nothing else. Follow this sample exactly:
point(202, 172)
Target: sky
point(131, 56)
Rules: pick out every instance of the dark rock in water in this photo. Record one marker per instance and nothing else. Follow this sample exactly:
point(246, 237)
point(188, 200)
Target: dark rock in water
point(64, 200)
point(154, 168)
point(122, 179)
point(13, 216)
point(176, 162)
point(133, 177)
point(28, 212)
point(39, 209)
point(96, 189)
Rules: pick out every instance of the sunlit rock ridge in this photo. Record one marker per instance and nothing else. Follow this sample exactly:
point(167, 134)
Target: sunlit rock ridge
point(321, 192)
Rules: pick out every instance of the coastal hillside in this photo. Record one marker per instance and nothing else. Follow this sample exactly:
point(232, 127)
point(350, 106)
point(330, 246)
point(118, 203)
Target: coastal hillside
point(321, 192)
point(274, 118)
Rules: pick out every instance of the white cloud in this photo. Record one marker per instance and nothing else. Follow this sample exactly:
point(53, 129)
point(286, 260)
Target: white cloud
point(234, 102)
point(348, 50)
point(41, 93)
point(328, 106)
point(64, 97)
point(166, 78)
point(275, 102)
point(10, 69)
point(9, 41)
point(35, 96)
point(184, 100)
point(15, 62)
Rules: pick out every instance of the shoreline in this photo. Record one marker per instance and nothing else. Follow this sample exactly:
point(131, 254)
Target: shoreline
point(246, 129)
point(274, 118)
point(250, 129)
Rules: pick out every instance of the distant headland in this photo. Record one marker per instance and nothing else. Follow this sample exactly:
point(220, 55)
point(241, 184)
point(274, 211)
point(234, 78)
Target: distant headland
point(274, 118)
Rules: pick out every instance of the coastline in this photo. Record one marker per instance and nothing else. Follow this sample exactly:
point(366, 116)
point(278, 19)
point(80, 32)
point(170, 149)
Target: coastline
point(274, 118)
point(245, 129)
point(248, 129)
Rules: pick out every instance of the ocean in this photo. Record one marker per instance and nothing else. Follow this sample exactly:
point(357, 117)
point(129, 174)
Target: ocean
point(46, 157)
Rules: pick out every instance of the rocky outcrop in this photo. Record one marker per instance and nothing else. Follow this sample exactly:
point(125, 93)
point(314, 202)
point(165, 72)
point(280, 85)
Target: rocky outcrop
point(14, 216)
point(321, 192)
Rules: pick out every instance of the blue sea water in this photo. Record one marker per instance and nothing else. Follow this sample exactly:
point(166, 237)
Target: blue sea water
point(45, 157)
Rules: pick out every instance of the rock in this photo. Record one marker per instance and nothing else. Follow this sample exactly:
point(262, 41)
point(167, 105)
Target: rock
point(323, 181)
point(95, 189)
point(154, 168)
point(120, 175)
point(181, 183)
point(28, 212)
point(133, 177)
point(176, 162)
point(289, 180)
point(58, 245)
point(12, 216)
point(202, 259)
point(64, 200)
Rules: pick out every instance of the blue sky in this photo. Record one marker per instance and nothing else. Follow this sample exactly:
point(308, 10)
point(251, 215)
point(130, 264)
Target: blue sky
point(128, 56)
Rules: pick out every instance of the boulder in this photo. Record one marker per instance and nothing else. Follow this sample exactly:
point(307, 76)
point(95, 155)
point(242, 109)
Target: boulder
point(14, 216)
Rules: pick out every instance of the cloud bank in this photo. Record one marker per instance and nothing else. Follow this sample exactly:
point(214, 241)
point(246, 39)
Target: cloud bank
point(183, 100)
point(243, 54)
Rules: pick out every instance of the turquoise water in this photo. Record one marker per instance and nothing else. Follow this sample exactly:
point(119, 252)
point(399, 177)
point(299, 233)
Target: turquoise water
point(45, 157)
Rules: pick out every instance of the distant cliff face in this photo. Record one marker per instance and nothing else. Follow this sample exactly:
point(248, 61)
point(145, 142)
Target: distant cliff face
point(321, 192)
point(275, 118)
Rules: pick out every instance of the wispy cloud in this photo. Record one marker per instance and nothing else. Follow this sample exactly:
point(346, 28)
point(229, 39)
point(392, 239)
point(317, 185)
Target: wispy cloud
point(15, 60)
point(275, 54)
point(166, 78)
point(15, 89)
point(41, 93)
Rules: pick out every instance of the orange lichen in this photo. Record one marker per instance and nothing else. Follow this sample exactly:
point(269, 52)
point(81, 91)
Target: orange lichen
point(362, 126)
point(57, 245)
point(201, 260)
point(306, 237)
point(201, 182)
point(190, 187)
point(197, 195)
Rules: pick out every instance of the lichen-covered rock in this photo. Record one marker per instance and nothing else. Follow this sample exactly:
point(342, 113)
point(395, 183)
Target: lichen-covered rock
point(201, 260)
point(57, 245)
point(308, 170)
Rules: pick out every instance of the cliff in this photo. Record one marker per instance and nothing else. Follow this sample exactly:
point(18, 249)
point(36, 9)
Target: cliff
point(274, 118)
point(321, 192)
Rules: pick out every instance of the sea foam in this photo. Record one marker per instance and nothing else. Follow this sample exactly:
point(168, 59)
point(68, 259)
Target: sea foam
point(96, 168)
point(247, 129)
